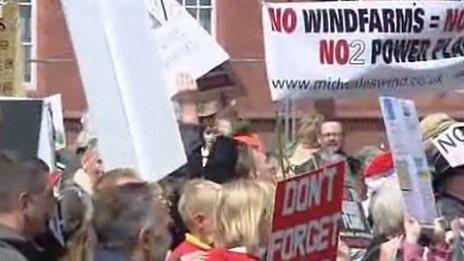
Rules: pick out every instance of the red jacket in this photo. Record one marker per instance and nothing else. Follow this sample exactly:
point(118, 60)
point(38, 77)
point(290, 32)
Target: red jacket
point(191, 244)
point(224, 254)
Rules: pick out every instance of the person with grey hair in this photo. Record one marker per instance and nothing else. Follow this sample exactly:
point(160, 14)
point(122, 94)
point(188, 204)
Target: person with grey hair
point(398, 234)
point(26, 203)
point(125, 223)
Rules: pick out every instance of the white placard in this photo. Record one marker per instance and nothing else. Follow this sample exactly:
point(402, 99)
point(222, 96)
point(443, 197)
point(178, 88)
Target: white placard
point(125, 87)
point(184, 45)
point(450, 143)
point(402, 124)
point(320, 50)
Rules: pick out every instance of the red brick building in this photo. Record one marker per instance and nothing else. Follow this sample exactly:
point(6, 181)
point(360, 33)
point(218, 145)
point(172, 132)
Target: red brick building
point(236, 24)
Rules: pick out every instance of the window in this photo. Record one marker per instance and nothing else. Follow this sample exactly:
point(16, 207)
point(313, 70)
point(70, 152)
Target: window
point(202, 10)
point(27, 14)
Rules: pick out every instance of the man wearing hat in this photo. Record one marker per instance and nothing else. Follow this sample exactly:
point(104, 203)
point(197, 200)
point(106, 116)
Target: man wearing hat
point(447, 181)
point(211, 153)
point(215, 159)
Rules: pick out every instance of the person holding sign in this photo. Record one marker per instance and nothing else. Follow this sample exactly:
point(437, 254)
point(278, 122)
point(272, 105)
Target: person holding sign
point(397, 234)
point(448, 181)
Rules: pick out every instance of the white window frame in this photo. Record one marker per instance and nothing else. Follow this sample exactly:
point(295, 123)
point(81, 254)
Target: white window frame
point(198, 7)
point(33, 43)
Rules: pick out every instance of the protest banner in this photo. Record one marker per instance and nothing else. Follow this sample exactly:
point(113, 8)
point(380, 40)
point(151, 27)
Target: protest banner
point(318, 50)
point(403, 130)
point(307, 215)
point(450, 143)
point(125, 86)
point(184, 45)
point(11, 52)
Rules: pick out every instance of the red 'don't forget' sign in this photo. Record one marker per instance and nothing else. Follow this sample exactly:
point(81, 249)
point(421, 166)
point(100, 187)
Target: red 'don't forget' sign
point(307, 215)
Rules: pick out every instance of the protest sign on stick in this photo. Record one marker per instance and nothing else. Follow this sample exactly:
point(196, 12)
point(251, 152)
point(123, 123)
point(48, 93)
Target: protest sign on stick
point(318, 50)
point(307, 215)
point(27, 128)
point(184, 45)
point(404, 135)
point(450, 143)
point(11, 52)
point(125, 86)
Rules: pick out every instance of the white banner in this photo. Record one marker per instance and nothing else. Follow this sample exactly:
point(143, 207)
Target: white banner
point(184, 45)
point(450, 143)
point(320, 50)
point(402, 124)
point(125, 86)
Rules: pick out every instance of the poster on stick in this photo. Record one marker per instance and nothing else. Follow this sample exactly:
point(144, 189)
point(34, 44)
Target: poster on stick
point(450, 143)
point(404, 136)
point(307, 215)
point(184, 45)
point(317, 50)
point(125, 86)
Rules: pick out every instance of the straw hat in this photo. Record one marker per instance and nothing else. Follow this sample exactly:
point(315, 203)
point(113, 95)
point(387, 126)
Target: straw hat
point(434, 124)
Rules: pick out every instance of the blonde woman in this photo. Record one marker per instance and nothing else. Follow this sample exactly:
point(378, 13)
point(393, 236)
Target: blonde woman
point(300, 157)
point(242, 221)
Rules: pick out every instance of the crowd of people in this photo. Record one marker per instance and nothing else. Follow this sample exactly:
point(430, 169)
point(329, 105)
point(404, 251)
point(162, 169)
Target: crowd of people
point(219, 205)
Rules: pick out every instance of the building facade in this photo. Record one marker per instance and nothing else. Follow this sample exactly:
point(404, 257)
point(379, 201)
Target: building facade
point(236, 25)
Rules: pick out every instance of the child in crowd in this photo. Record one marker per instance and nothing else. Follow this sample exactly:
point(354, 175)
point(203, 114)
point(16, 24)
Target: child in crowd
point(243, 221)
point(197, 207)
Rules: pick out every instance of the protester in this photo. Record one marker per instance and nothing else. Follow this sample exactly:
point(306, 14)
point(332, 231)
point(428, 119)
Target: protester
point(91, 166)
point(125, 230)
point(26, 203)
point(241, 222)
point(197, 207)
point(448, 181)
point(379, 171)
point(397, 234)
point(300, 158)
point(251, 153)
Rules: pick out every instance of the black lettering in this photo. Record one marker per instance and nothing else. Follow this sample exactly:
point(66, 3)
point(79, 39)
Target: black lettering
point(458, 134)
point(363, 19)
point(350, 20)
point(325, 21)
point(376, 50)
point(422, 55)
point(312, 21)
point(387, 51)
point(388, 20)
point(403, 20)
point(419, 20)
point(449, 142)
point(336, 20)
point(413, 51)
point(446, 53)
point(401, 50)
point(457, 47)
point(438, 47)
point(375, 23)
